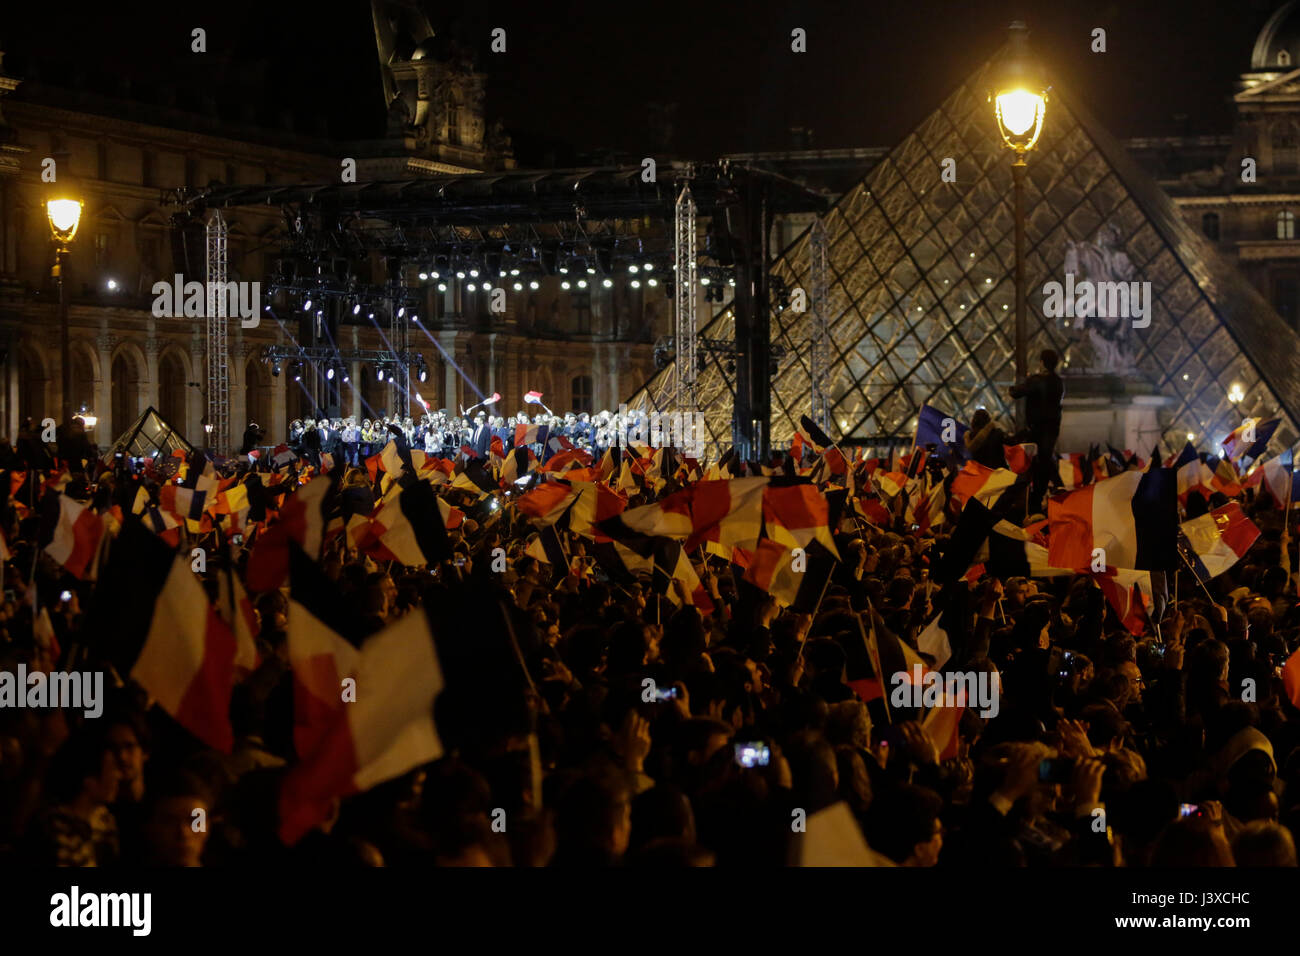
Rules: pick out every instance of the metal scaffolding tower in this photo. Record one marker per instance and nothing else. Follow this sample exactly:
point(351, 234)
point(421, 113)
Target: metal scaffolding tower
point(218, 350)
point(820, 355)
point(684, 329)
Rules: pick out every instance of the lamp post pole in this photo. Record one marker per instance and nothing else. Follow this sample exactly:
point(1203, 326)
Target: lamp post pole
point(65, 347)
point(1022, 333)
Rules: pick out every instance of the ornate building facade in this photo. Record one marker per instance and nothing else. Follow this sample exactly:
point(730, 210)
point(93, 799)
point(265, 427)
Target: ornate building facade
point(121, 156)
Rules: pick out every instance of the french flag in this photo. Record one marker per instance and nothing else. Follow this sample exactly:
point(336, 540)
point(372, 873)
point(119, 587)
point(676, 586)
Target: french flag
point(533, 398)
point(548, 502)
point(385, 726)
point(531, 434)
point(1237, 444)
point(1131, 517)
point(1020, 457)
point(184, 503)
point(1214, 542)
point(162, 524)
point(167, 635)
point(1278, 479)
point(76, 537)
point(982, 483)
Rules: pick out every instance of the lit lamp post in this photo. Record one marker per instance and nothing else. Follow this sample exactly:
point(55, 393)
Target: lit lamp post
point(1020, 102)
point(64, 216)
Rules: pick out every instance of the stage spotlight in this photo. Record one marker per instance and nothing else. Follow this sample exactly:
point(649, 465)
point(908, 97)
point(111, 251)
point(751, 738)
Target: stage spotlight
point(473, 273)
point(608, 283)
point(564, 270)
point(565, 284)
point(582, 283)
point(514, 272)
point(424, 374)
point(424, 276)
point(346, 380)
point(372, 315)
point(275, 369)
point(380, 373)
point(652, 282)
point(415, 317)
point(435, 275)
point(519, 287)
point(306, 306)
point(442, 287)
point(534, 285)
point(356, 309)
point(297, 376)
point(329, 374)
point(401, 312)
point(648, 267)
point(636, 283)
point(633, 268)
point(472, 287)
point(460, 273)
point(704, 280)
point(591, 270)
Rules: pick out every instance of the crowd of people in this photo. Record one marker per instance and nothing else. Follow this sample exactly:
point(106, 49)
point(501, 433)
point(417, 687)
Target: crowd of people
point(597, 714)
point(443, 433)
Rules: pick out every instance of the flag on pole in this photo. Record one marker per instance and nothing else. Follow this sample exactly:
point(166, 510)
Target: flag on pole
point(1214, 542)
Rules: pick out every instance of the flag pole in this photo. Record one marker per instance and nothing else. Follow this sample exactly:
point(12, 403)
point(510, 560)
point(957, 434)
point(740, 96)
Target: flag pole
point(875, 660)
point(817, 607)
point(1197, 577)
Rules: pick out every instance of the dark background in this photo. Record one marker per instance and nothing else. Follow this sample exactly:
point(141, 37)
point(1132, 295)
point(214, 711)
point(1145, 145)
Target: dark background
point(596, 76)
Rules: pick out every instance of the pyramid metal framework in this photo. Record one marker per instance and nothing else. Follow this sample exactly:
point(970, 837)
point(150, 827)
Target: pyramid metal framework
point(921, 298)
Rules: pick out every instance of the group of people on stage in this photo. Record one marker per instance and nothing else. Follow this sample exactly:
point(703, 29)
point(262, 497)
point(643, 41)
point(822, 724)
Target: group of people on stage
point(444, 433)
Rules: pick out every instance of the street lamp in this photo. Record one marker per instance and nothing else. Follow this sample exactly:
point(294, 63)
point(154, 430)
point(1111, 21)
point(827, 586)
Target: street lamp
point(65, 216)
point(1019, 99)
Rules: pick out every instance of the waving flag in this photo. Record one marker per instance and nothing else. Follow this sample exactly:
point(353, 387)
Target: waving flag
point(533, 398)
point(1238, 444)
point(383, 731)
point(948, 435)
point(1214, 542)
point(982, 483)
point(167, 635)
point(1132, 517)
point(75, 540)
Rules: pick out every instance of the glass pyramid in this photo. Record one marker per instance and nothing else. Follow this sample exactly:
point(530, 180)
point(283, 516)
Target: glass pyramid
point(921, 297)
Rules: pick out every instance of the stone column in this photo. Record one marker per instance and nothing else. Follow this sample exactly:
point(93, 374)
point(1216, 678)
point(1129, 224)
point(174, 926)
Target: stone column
point(105, 429)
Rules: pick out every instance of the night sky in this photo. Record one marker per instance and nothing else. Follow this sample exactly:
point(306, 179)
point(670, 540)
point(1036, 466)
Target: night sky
point(587, 76)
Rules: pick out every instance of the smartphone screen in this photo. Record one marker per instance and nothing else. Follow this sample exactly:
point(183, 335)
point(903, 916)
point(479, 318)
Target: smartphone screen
point(753, 754)
point(1188, 809)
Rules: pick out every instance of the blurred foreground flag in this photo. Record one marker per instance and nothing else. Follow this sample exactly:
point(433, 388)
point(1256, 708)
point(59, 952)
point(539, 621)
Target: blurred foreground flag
point(1216, 541)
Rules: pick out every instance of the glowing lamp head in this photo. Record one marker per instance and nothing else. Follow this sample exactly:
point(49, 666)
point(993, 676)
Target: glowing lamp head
point(1019, 95)
point(64, 216)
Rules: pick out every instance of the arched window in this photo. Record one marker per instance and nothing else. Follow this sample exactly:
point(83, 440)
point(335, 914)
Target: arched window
point(257, 395)
point(126, 393)
point(83, 382)
point(1210, 226)
point(1286, 147)
point(582, 391)
point(171, 392)
point(453, 121)
point(1286, 224)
